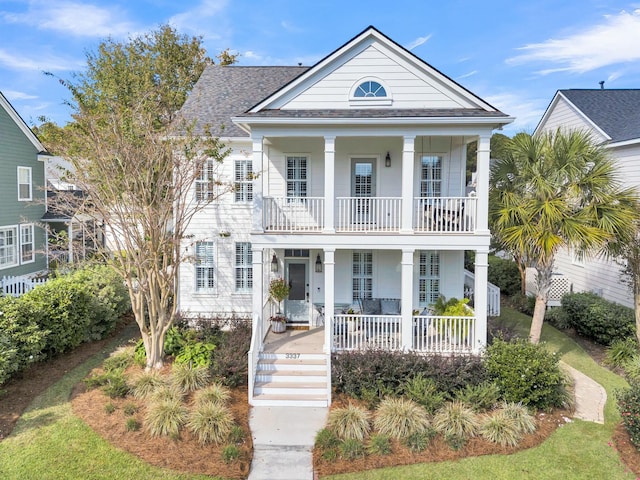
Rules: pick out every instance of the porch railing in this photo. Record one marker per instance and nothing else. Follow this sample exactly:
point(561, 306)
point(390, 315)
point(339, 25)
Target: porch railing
point(493, 293)
point(431, 334)
point(444, 214)
point(289, 214)
point(368, 214)
point(260, 327)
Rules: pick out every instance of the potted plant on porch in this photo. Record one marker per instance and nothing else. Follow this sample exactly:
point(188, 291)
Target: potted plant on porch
point(278, 291)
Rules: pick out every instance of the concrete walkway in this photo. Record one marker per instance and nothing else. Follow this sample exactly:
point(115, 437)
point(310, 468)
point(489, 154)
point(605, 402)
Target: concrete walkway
point(590, 396)
point(283, 439)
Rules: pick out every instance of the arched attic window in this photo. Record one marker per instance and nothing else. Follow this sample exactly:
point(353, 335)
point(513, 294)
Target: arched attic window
point(369, 91)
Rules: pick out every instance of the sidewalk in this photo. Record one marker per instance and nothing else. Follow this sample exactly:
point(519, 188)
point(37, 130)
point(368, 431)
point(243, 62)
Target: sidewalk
point(590, 396)
point(283, 439)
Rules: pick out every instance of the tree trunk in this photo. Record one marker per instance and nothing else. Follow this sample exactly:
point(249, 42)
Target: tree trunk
point(636, 301)
point(538, 319)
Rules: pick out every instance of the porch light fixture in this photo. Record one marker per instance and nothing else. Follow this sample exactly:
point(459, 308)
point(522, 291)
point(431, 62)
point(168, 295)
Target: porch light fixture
point(274, 263)
point(318, 264)
point(387, 160)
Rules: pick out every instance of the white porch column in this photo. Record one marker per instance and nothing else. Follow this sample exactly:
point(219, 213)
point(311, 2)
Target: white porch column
point(408, 156)
point(482, 184)
point(329, 181)
point(258, 200)
point(480, 299)
point(329, 296)
point(406, 298)
point(258, 296)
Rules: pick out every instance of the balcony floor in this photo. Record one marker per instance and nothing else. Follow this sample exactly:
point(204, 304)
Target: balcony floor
point(295, 341)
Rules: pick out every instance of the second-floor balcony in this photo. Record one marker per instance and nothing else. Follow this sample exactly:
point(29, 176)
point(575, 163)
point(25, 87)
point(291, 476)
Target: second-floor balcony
point(369, 214)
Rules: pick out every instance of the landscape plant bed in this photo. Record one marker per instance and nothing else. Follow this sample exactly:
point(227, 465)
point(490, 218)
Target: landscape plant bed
point(438, 450)
point(184, 454)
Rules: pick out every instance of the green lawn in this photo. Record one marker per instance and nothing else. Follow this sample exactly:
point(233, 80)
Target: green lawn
point(579, 450)
point(49, 442)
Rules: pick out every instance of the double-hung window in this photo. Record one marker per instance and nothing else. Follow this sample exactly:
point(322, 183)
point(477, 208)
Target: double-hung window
point(296, 176)
point(8, 247)
point(205, 267)
point(429, 278)
point(244, 267)
point(430, 176)
point(27, 253)
point(205, 184)
point(24, 183)
point(362, 275)
point(243, 181)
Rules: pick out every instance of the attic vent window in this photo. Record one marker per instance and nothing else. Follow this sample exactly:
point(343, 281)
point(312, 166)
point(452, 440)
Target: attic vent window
point(370, 89)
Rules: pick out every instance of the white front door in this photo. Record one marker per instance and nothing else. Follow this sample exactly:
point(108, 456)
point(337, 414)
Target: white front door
point(296, 307)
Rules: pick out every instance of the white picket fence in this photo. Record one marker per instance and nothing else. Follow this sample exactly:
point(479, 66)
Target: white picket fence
point(16, 286)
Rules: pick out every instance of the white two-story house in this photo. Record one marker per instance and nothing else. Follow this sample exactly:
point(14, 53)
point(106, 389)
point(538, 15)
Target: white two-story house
point(349, 184)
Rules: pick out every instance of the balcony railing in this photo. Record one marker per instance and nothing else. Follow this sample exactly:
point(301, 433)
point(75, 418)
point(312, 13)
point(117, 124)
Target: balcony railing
point(444, 214)
point(299, 214)
point(369, 214)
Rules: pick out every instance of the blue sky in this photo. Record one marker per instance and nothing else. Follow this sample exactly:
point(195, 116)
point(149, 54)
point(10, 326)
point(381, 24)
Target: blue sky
point(514, 54)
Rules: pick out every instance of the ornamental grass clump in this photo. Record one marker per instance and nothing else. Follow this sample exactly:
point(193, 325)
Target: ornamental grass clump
point(210, 422)
point(400, 417)
point(457, 420)
point(188, 378)
point(166, 418)
point(146, 383)
point(168, 393)
point(350, 422)
point(214, 393)
point(525, 422)
point(500, 428)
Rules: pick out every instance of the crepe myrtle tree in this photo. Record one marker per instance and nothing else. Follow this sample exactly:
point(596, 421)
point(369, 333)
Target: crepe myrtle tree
point(553, 191)
point(137, 163)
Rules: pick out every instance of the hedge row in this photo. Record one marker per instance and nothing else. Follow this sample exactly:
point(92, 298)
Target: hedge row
point(58, 316)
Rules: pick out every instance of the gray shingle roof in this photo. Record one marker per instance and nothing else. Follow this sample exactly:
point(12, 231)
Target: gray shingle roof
point(616, 112)
point(225, 92)
point(375, 113)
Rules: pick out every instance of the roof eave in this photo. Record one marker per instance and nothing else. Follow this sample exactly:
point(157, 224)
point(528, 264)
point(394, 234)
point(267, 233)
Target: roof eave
point(242, 121)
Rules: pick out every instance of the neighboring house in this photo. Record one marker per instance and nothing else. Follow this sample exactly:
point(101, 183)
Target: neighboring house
point(350, 184)
point(613, 118)
point(22, 197)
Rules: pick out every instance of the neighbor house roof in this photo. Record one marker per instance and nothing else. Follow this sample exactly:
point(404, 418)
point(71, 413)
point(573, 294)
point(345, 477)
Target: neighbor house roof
point(616, 112)
point(224, 92)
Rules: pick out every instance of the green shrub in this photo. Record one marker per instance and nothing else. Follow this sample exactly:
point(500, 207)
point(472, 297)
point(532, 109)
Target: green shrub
point(197, 354)
point(230, 453)
point(119, 360)
point(525, 422)
point(109, 408)
point(350, 422)
point(424, 392)
point(504, 274)
point(188, 378)
point(527, 373)
point(326, 438)
point(130, 409)
point(229, 363)
point(500, 428)
point(165, 418)
point(455, 442)
point(383, 371)
point(210, 422)
point(598, 319)
point(629, 407)
point(236, 435)
point(419, 441)
point(400, 417)
point(632, 369)
point(523, 303)
point(351, 448)
point(456, 419)
point(480, 397)
point(330, 455)
point(146, 383)
point(621, 351)
point(116, 385)
point(140, 354)
point(379, 444)
point(132, 425)
point(557, 317)
point(174, 341)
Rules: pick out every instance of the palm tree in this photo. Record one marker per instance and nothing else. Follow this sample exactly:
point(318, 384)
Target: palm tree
point(552, 191)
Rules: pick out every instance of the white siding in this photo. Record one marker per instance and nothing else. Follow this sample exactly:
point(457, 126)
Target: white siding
point(408, 87)
point(565, 116)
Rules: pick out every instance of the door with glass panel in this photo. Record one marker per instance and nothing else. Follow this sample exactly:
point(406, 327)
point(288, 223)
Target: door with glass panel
point(296, 306)
point(363, 189)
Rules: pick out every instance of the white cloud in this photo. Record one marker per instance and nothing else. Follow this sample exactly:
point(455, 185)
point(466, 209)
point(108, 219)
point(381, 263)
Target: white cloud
point(50, 63)
point(255, 58)
point(616, 40)
point(417, 42)
point(527, 111)
point(469, 74)
point(198, 19)
point(15, 95)
point(291, 28)
point(73, 18)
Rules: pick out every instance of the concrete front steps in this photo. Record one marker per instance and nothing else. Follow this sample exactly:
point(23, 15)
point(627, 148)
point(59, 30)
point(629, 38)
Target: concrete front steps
point(291, 379)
